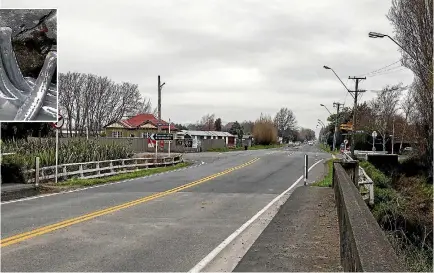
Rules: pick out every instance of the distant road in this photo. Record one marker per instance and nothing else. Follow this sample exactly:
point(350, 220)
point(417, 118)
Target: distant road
point(167, 222)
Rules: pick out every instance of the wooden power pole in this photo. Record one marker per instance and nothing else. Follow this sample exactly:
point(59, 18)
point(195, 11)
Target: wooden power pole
point(356, 93)
point(160, 86)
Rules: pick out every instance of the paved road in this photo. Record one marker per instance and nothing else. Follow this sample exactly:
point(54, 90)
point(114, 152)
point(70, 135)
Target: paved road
point(169, 228)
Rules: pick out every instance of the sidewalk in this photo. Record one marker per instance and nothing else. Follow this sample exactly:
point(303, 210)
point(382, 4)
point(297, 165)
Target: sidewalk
point(303, 236)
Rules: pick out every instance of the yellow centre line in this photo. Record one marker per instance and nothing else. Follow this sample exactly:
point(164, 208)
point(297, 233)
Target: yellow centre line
point(46, 229)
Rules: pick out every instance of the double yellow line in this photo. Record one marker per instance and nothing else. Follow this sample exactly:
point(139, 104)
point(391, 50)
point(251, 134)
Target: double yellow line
point(46, 229)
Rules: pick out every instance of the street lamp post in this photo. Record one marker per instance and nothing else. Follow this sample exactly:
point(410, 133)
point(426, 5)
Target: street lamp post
point(380, 35)
point(336, 125)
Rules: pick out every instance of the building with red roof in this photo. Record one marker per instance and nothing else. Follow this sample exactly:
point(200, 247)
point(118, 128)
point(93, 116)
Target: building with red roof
point(140, 125)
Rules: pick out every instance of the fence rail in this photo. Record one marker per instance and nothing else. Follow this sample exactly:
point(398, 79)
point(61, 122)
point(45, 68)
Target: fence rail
point(365, 182)
point(94, 169)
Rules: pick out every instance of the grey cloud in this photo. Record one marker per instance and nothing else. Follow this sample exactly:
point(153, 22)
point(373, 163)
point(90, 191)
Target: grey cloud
point(277, 47)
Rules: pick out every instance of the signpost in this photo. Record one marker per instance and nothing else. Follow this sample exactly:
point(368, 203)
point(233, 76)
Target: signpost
point(374, 136)
point(57, 125)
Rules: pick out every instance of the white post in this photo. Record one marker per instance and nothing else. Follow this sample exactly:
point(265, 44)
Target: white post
point(169, 140)
point(306, 167)
point(37, 172)
point(87, 132)
point(57, 153)
point(156, 149)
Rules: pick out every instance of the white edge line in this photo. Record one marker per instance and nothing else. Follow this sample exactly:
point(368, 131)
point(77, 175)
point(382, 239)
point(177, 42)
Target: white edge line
point(92, 187)
point(205, 261)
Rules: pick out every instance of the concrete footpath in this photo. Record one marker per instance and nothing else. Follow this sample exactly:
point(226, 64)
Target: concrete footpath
point(303, 236)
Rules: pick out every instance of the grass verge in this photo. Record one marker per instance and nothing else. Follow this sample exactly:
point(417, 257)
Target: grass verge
point(326, 148)
point(328, 179)
point(74, 182)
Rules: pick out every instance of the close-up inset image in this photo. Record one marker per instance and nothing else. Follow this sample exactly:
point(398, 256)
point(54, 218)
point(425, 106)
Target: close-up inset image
point(28, 66)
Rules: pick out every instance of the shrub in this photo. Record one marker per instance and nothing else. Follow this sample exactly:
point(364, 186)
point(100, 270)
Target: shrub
point(264, 131)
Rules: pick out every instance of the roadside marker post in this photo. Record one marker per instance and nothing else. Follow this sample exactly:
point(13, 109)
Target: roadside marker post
point(57, 125)
point(37, 171)
point(306, 165)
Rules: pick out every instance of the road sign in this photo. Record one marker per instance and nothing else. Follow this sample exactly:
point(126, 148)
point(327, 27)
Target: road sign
point(59, 123)
point(374, 134)
point(162, 136)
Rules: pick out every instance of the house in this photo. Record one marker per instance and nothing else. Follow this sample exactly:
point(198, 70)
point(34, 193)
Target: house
point(138, 126)
point(199, 135)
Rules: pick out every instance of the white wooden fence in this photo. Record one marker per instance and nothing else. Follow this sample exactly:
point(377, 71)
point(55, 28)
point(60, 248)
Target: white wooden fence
point(96, 169)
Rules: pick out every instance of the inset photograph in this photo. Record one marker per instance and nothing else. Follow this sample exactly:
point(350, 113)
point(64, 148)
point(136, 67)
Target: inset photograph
point(28, 65)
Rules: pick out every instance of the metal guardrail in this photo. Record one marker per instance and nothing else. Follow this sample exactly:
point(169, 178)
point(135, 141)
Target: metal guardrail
point(95, 169)
point(365, 182)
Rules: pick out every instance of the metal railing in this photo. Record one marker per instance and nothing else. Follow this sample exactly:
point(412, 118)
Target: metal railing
point(95, 169)
point(365, 182)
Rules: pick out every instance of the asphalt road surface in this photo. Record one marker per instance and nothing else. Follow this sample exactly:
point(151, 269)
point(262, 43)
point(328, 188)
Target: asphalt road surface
point(167, 222)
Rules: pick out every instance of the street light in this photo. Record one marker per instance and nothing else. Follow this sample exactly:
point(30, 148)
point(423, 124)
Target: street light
point(381, 35)
point(336, 126)
point(329, 68)
point(326, 108)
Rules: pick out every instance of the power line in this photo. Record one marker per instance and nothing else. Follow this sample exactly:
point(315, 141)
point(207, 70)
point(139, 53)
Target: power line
point(380, 68)
point(390, 71)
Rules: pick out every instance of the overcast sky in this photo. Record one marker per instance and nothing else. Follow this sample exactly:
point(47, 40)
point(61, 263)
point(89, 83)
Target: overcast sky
point(235, 59)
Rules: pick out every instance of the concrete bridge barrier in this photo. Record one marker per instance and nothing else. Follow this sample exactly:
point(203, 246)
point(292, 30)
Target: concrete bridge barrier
point(363, 245)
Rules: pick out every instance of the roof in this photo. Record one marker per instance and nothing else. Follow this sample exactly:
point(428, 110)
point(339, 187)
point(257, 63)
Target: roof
point(140, 119)
point(207, 133)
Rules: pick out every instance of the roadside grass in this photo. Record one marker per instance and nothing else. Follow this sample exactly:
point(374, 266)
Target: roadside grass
point(328, 179)
point(327, 149)
point(403, 209)
point(75, 182)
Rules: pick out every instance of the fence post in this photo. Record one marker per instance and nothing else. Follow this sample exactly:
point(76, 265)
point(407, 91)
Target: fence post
point(97, 167)
point(80, 168)
point(65, 173)
point(135, 163)
point(306, 168)
point(37, 172)
point(123, 164)
point(111, 167)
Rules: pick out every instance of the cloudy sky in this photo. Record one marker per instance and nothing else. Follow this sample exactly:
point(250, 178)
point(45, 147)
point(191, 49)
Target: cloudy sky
point(235, 59)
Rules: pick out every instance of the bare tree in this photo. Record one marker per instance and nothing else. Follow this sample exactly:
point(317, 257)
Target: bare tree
point(285, 122)
point(91, 102)
point(413, 23)
point(247, 126)
point(207, 122)
point(407, 107)
point(384, 107)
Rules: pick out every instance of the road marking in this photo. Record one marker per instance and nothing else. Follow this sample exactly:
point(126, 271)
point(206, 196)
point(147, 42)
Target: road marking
point(205, 261)
point(46, 229)
point(100, 185)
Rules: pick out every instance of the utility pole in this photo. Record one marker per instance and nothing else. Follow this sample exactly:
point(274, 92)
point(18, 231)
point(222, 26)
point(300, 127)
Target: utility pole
point(356, 93)
point(393, 132)
point(160, 86)
point(338, 105)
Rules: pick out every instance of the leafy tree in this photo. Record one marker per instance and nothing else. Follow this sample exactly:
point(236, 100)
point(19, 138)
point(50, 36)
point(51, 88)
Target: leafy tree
point(218, 124)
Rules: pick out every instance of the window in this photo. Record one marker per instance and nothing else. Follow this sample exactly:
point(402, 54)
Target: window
point(116, 134)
